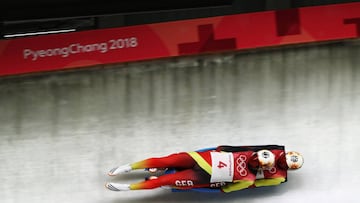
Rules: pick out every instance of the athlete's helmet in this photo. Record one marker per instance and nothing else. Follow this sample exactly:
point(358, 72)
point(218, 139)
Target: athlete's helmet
point(294, 160)
point(266, 158)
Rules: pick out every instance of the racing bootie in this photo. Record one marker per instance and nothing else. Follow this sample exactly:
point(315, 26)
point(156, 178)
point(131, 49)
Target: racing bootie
point(121, 169)
point(117, 186)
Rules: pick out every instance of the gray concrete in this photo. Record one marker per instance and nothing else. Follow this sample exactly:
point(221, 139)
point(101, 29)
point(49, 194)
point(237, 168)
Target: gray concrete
point(61, 133)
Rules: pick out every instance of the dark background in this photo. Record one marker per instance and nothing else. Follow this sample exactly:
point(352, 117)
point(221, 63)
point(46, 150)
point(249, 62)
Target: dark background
point(41, 15)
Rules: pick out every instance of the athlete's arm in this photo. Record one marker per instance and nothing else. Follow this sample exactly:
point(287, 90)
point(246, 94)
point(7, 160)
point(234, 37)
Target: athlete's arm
point(238, 185)
point(269, 181)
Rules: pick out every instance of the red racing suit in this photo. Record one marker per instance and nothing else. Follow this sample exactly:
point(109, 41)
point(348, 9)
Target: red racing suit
point(230, 171)
point(233, 170)
point(265, 177)
point(274, 175)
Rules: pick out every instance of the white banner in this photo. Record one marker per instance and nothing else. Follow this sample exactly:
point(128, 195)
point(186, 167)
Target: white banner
point(222, 167)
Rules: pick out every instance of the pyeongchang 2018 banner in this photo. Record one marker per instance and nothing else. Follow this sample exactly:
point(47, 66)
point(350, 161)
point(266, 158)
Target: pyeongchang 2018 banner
point(178, 38)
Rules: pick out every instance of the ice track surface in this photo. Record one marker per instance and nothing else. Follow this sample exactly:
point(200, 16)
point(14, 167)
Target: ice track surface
point(61, 133)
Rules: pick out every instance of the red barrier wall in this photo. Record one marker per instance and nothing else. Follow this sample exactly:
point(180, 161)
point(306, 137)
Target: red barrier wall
point(187, 37)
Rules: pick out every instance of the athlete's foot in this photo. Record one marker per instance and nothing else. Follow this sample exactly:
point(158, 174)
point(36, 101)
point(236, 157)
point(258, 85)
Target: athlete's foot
point(120, 169)
point(117, 186)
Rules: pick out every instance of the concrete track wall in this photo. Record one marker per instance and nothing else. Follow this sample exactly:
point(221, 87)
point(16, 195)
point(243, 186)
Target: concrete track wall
point(61, 133)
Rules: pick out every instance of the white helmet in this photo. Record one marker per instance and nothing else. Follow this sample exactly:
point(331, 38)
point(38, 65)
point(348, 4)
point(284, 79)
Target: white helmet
point(266, 158)
point(294, 160)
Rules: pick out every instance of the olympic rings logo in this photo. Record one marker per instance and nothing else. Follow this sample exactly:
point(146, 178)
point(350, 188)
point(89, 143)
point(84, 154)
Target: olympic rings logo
point(271, 170)
point(241, 165)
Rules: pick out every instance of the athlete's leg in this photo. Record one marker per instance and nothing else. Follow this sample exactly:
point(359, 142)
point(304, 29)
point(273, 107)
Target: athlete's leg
point(186, 179)
point(178, 160)
point(181, 160)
